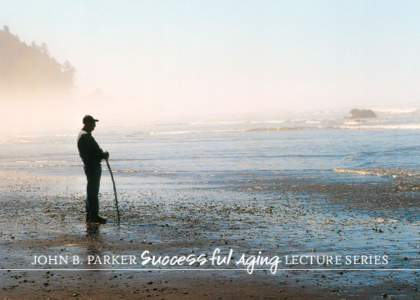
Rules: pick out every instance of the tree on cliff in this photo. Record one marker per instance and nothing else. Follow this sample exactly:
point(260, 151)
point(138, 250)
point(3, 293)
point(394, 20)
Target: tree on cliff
point(30, 70)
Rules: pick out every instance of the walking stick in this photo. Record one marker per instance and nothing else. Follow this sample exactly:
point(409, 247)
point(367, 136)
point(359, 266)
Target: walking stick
point(115, 190)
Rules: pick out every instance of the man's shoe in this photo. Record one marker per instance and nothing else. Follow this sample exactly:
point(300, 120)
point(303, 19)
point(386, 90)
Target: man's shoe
point(99, 220)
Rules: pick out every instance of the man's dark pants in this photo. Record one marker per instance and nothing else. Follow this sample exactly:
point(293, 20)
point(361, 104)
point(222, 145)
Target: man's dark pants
point(93, 175)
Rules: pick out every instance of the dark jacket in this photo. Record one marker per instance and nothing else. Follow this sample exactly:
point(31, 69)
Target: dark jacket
point(89, 150)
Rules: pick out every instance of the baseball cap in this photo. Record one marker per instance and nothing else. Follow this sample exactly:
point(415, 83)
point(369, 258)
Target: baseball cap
point(89, 119)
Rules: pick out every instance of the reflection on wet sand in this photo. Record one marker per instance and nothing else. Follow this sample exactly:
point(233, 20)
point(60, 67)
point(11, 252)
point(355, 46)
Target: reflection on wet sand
point(94, 241)
point(92, 231)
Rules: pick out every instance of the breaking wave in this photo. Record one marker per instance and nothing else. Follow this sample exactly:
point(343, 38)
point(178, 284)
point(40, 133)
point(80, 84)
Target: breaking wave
point(355, 125)
point(394, 173)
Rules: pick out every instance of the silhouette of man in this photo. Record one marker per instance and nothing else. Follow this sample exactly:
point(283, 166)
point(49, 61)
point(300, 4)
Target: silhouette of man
point(91, 155)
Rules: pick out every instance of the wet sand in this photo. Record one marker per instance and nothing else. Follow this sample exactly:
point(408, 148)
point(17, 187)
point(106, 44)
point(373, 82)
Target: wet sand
point(275, 214)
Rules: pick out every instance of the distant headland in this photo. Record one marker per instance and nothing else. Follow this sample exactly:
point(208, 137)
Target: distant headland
point(30, 69)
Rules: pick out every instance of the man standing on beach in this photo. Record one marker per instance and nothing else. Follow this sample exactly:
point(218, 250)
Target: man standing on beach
point(91, 155)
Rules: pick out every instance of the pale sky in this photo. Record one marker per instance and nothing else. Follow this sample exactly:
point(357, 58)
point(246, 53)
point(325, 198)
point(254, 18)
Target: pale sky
point(186, 58)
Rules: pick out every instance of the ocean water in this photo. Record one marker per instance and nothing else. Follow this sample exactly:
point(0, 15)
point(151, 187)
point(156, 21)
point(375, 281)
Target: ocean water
point(329, 153)
point(294, 186)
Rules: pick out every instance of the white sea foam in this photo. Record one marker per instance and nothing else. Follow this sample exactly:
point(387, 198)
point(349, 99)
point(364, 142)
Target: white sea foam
point(186, 132)
point(268, 122)
point(396, 110)
point(377, 172)
point(218, 123)
point(174, 132)
point(313, 122)
point(413, 126)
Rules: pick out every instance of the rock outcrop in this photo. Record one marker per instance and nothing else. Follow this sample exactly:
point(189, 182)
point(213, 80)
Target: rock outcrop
point(362, 113)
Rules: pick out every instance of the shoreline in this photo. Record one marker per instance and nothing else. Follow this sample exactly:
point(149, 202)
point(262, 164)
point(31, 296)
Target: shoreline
point(278, 216)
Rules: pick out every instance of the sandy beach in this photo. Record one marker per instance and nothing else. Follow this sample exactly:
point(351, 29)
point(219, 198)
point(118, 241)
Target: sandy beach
point(276, 214)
